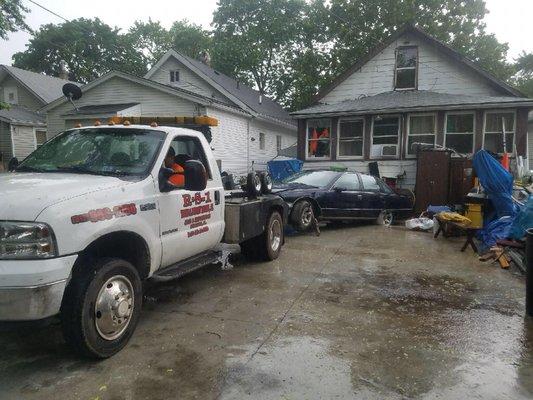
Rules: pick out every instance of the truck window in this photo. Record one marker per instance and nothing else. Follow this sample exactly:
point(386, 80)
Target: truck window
point(101, 151)
point(190, 148)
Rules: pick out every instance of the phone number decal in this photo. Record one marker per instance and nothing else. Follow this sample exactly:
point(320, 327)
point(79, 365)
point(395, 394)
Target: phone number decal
point(103, 214)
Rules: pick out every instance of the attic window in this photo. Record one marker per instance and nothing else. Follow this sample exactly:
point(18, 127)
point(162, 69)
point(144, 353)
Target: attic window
point(174, 76)
point(405, 76)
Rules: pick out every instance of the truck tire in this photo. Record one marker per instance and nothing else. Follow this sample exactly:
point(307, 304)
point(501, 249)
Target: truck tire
point(266, 182)
point(253, 185)
point(101, 307)
point(302, 216)
point(267, 246)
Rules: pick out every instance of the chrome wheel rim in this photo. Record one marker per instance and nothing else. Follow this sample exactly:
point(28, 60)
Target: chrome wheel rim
point(114, 307)
point(275, 235)
point(387, 218)
point(307, 215)
point(257, 183)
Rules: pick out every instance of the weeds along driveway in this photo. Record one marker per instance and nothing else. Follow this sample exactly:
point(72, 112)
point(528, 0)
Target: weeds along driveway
point(363, 312)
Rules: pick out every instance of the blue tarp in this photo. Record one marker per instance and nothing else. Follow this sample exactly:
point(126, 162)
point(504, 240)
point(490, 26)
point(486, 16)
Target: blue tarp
point(523, 221)
point(281, 169)
point(496, 181)
point(498, 229)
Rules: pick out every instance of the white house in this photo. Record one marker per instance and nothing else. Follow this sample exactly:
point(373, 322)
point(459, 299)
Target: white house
point(251, 128)
point(410, 89)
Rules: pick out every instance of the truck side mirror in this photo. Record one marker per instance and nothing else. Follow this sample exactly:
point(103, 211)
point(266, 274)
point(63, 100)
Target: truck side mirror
point(13, 164)
point(195, 176)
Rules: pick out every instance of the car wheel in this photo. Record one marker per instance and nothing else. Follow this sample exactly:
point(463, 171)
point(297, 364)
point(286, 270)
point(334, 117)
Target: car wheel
point(385, 218)
point(101, 308)
point(302, 216)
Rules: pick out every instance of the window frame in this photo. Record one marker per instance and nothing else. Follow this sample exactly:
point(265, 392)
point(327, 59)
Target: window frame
point(173, 73)
point(396, 68)
point(398, 142)
point(307, 156)
point(503, 111)
point(408, 128)
point(262, 141)
point(198, 143)
point(357, 178)
point(473, 114)
point(350, 119)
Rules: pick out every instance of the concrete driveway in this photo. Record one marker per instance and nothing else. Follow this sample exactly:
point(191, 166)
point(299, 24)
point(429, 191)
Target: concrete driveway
point(363, 312)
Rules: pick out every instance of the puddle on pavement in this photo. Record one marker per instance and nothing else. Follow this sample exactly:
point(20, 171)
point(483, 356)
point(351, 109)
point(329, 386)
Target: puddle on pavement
point(292, 368)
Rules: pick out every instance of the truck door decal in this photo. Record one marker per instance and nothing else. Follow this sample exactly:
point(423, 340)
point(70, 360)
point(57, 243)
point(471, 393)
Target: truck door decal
point(196, 212)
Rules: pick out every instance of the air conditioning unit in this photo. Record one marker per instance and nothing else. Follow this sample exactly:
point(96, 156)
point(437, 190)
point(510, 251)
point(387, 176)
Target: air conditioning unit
point(389, 150)
point(380, 150)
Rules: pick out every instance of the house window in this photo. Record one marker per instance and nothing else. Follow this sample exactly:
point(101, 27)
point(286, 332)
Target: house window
point(318, 138)
point(493, 132)
point(460, 132)
point(385, 136)
point(40, 138)
point(261, 141)
point(278, 143)
point(421, 129)
point(406, 68)
point(10, 95)
point(351, 137)
point(174, 76)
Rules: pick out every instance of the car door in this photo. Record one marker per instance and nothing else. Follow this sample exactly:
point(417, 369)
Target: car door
point(345, 197)
point(373, 201)
point(191, 222)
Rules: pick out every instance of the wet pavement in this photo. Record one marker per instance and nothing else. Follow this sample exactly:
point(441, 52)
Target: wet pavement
point(363, 312)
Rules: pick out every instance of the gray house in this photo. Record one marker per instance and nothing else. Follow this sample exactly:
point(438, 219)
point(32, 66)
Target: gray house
point(22, 127)
point(410, 89)
point(251, 127)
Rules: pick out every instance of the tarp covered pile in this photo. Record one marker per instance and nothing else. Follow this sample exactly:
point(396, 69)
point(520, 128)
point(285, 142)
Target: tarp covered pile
point(509, 220)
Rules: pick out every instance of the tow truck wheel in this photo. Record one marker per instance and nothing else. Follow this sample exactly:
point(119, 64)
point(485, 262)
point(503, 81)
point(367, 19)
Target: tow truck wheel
point(101, 307)
point(266, 246)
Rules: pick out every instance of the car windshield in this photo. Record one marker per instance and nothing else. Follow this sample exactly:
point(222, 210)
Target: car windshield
point(103, 151)
point(318, 179)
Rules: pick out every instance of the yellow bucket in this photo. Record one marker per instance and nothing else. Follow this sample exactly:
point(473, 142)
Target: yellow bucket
point(474, 213)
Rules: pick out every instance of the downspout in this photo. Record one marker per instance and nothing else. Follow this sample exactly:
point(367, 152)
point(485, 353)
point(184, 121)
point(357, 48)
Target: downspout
point(248, 145)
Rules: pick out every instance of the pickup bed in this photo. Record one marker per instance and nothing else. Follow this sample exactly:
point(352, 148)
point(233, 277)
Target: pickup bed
point(92, 213)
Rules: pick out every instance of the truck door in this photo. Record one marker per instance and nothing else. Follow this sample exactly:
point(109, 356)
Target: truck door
point(191, 222)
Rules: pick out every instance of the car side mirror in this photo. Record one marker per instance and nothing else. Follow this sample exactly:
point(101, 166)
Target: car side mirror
point(13, 164)
point(195, 176)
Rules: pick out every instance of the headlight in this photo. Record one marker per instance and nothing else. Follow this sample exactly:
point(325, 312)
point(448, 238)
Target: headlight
point(26, 240)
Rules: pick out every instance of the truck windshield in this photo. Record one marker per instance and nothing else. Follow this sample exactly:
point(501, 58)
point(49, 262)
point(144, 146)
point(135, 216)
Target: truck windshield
point(102, 151)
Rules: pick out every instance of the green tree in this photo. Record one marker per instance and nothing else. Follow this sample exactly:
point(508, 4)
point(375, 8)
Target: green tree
point(150, 39)
point(257, 41)
point(88, 46)
point(523, 78)
point(12, 17)
point(189, 38)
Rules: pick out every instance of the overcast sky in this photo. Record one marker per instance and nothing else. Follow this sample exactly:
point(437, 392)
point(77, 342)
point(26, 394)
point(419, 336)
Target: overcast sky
point(510, 20)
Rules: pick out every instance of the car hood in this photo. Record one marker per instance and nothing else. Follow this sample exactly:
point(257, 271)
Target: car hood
point(291, 192)
point(23, 196)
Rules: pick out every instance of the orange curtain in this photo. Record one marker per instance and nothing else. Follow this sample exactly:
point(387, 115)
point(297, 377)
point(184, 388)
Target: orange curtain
point(313, 144)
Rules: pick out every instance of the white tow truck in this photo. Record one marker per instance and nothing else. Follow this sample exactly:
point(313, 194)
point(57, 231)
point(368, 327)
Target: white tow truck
point(91, 214)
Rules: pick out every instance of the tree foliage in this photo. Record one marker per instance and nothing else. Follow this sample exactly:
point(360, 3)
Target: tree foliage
point(523, 78)
point(12, 17)
point(88, 46)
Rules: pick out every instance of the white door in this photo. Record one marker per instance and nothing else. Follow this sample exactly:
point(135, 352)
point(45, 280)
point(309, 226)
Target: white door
point(191, 222)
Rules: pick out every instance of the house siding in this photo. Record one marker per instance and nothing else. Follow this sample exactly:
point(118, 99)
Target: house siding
point(199, 85)
point(230, 139)
point(25, 97)
point(23, 140)
point(261, 157)
point(118, 90)
point(5, 144)
point(436, 72)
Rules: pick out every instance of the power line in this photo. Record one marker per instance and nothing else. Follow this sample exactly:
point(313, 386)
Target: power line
point(50, 11)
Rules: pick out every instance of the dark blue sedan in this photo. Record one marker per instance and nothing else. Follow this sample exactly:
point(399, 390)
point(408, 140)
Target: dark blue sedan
point(331, 195)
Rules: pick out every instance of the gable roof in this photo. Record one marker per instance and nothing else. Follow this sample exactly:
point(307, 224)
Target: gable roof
point(18, 114)
point(176, 91)
point(438, 45)
point(45, 88)
point(410, 100)
point(242, 95)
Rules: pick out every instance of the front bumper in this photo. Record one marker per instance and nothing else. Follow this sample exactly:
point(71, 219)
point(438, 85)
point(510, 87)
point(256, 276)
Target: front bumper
point(33, 289)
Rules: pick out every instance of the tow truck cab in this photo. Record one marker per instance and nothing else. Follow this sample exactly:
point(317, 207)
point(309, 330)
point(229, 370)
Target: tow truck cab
point(91, 214)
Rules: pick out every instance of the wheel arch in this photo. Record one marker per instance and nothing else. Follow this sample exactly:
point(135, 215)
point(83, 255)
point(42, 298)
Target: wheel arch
point(123, 244)
point(317, 210)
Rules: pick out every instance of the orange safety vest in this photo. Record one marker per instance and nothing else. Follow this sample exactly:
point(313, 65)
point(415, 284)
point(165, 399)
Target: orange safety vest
point(177, 179)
